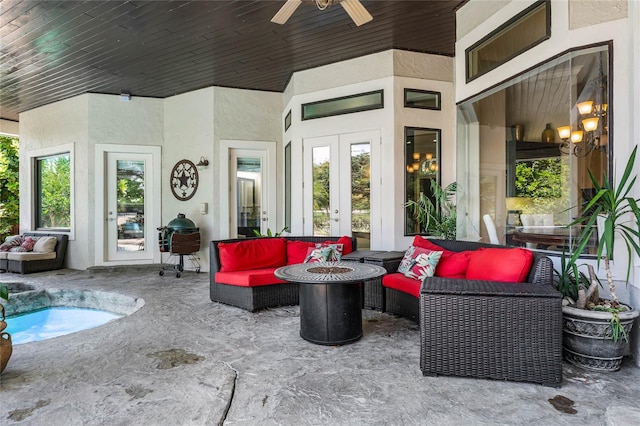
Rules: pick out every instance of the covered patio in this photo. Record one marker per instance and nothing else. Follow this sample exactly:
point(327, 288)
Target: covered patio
point(182, 359)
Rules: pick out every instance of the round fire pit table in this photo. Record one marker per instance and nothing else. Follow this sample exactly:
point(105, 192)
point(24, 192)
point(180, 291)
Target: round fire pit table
point(330, 299)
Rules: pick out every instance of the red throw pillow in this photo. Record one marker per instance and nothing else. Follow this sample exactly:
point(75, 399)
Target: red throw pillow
point(297, 251)
point(452, 264)
point(252, 254)
point(500, 264)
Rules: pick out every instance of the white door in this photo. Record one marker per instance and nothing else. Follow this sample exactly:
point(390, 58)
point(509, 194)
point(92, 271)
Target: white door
point(251, 202)
point(128, 232)
point(337, 185)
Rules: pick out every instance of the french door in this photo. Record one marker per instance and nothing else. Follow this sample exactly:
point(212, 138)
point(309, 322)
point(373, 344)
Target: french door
point(249, 177)
point(337, 189)
point(252, 208)
point(129, 206)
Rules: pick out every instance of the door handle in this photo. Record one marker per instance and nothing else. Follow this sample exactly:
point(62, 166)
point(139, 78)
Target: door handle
point(335, 219)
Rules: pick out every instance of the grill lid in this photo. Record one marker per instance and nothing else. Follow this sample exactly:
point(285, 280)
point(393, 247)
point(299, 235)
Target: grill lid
point(181, 223)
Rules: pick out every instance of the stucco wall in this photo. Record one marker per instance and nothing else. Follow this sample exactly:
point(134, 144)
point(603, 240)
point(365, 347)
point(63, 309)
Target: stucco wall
point(65, 122)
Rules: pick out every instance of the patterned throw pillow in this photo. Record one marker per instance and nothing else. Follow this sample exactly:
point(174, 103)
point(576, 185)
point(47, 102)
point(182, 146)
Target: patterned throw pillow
point(11, 242)
point(320, 254)
point(423, 265)
point(409, 256)
point(28, 243)
point(336, 251)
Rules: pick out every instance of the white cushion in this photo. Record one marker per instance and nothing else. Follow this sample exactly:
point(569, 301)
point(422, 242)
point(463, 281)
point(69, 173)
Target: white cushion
point(45, 245)
point(3, 254)
point(28, 256)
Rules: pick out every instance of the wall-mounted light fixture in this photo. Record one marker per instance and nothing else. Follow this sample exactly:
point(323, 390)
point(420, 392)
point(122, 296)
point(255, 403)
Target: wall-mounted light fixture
point(202, 164)
point(125, 97)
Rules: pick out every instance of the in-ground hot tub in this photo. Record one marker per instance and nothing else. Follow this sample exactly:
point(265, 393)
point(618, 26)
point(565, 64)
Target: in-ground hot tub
point(54, 310)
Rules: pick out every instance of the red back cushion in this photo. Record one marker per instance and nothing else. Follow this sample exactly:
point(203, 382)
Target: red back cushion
point(500, 264)
point(252, 254)
point(452, 264)
point(297, 251)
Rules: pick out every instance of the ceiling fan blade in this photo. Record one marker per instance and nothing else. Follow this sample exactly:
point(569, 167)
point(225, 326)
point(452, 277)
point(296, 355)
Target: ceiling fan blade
point(286, 11)
point(356, 10)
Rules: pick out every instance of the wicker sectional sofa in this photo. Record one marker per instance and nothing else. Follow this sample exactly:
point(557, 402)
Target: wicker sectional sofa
point(486, 329)
point(253, 286)
point(28, 262)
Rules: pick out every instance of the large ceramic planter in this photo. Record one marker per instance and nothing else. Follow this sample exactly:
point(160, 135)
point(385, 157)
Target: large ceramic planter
point(6, 347)
point(587, 341)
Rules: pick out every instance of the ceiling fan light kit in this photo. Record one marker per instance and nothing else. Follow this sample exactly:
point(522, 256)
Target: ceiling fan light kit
point(354, 9)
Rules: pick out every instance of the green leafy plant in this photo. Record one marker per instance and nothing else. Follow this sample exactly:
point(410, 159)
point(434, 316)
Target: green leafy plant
point(439, 218)
point(9, 185)
point(616, 214)
point(4, 292)
point(569, 278)
point(619, 216)
point(257, 233)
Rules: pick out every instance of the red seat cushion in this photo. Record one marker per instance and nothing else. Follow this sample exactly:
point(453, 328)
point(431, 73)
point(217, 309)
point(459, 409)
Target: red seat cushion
point(250, 278)
point(452, 264)
point(398, 281)
point(500, 264)
point(252, 254)
point(297, 251)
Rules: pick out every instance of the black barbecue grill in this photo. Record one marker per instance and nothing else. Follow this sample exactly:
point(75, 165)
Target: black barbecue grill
point(179, 238)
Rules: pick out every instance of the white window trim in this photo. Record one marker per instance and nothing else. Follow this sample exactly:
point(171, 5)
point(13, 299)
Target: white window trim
point(32, 158)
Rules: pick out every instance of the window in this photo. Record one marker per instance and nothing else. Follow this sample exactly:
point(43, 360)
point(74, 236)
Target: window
point(526, 147)
point(287, 185)
point(518, 35)
point(287, 121)
point(425, 99)
point(53, 192)
point(344, 105)
point(422, 159)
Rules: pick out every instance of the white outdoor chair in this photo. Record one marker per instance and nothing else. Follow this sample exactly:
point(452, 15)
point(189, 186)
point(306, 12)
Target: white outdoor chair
point(491, 229)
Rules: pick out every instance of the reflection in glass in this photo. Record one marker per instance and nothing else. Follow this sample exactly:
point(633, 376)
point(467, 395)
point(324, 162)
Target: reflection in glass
point(130, 195)
point(360, 192)
point(248, 182)
point(544, 183)
point(422, 166)
point(321, 185)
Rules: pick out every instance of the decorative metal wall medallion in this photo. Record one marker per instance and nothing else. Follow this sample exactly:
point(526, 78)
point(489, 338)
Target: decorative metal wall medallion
point(184, 180)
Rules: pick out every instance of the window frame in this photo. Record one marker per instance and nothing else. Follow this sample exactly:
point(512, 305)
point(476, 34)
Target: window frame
point(373, 106)
point(34, 157)
point(438, 107)
point(469, 78)
point(438, 176)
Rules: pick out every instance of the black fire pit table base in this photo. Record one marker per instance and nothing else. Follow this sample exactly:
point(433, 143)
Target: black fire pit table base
point(330, 299)
point(331, 314)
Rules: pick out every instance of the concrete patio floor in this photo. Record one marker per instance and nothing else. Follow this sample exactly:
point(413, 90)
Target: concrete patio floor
point(242, 368)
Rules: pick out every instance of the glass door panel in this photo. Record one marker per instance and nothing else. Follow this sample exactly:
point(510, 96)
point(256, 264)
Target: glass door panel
point(321, 184)
point(360, 193)
point(130, 176)
point(249, 200)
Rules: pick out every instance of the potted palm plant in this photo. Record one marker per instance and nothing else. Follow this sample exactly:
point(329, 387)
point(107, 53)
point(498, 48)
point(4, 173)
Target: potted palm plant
point(595, 329)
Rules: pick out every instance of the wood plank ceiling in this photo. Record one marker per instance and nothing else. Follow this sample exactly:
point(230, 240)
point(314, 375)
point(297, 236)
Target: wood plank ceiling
point(53, 50)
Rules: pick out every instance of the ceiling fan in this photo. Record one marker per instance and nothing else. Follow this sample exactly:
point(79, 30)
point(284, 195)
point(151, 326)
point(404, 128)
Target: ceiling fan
point(354, 8)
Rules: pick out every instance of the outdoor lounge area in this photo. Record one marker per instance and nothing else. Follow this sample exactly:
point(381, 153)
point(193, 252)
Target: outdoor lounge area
point(182, 359)
point(229, 142)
